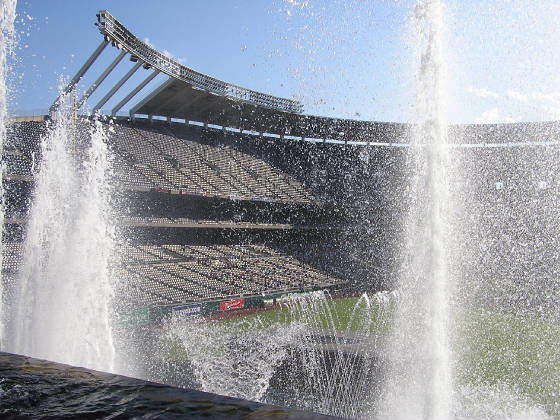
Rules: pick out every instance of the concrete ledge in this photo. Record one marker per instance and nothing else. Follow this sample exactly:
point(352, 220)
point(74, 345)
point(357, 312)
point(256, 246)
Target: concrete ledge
point(33, 388)
point(28, 118)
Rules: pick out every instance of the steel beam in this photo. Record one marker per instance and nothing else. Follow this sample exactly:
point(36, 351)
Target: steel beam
point(117, 86)
point(112, 28)
point(100, 79)
point(78, 76)
point(134, 92)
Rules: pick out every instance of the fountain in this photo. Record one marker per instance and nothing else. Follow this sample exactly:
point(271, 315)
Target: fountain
point(64, 290)
point(418, 366)
point(305, 355)
point(455, 349)
point(419, 377)
point(469, 332)
point(60, 306)
point(7, 17)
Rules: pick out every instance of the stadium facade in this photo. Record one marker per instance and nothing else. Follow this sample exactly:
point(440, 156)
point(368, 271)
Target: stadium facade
point(235, 197)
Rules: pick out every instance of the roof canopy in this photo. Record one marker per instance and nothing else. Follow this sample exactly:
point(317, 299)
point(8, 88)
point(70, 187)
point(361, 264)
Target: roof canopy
point(193, 96)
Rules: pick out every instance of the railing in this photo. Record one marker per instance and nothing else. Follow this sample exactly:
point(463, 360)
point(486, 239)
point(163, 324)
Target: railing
point(123, 38)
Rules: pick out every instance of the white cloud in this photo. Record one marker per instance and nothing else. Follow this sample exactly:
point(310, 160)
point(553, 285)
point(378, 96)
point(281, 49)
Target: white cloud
point(545, 97)
point(512, 105)
point(483, 93)
point(302, 4)
point(147, 42)
point(551, 112)
point(488, 117)
point(492, 116)
point(518, 96)
point(546, 104)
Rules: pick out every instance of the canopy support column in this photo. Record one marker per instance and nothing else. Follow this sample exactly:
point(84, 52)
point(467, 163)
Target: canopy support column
point(134, 92)
point(117, 86)
point(54, 107)
point(100, 79)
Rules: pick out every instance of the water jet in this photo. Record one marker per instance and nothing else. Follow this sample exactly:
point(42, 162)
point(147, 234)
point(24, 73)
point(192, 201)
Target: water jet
point(219, 238)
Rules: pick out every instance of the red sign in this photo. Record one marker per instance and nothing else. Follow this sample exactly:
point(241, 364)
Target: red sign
point(232, 304)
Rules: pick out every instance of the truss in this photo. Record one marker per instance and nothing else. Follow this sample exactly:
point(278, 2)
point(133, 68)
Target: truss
point(147, 57)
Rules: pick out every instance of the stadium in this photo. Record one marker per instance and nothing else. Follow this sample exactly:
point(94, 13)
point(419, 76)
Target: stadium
point(237, 194)
point(229, 200)
point(227, 188)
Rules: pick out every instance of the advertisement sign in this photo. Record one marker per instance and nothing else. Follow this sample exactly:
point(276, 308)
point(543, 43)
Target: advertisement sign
point(232, 304)
point(140, 317)
point(187, 310)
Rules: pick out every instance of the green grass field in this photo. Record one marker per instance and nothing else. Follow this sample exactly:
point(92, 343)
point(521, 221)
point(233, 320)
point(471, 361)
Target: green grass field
point(332, 313)
point(491, 349)
point(521, 352)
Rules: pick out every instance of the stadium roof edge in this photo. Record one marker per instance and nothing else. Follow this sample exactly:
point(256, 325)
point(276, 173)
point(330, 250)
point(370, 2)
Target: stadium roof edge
point(195, 97)
point(120, 37)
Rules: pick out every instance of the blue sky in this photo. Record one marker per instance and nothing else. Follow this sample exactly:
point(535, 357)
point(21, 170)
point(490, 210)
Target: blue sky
point(343, 58)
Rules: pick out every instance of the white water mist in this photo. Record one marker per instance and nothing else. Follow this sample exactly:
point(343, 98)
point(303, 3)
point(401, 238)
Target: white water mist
point(64, 291)
point(332, 362)
point(7, 36)
point(419, 380)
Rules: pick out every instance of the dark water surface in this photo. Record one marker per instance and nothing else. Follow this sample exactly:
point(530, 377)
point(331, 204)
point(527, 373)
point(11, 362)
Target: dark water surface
point(35, 389)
